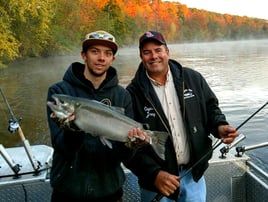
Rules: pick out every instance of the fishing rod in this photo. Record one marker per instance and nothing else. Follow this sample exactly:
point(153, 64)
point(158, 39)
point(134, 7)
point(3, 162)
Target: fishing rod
point(226, 148)
point(252, 115)
point(15, 126)
point(159, 196)
point(14, 167)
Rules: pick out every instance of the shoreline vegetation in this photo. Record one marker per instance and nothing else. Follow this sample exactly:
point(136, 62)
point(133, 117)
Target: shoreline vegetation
point(39, 28)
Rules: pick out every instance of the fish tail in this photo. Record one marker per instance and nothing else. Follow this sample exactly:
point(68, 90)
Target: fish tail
point(157, 141)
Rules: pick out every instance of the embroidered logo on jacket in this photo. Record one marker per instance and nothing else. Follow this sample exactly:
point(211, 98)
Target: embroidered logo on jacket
point(106, 101)
point(148, 111)
point(188, 93)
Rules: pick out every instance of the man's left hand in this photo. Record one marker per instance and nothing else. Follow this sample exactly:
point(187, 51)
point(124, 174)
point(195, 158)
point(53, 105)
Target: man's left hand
point(227, 133)
point(137, 138)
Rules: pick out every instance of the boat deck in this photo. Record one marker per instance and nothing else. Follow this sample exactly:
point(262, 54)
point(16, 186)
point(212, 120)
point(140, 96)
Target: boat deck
point(230, 179)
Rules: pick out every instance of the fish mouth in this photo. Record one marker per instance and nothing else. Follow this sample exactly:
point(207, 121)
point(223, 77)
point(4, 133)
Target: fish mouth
point(61, 109)
point(56, 100)
point(54, 104)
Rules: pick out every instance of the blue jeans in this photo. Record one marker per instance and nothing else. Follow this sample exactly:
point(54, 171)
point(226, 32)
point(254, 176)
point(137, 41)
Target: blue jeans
point(191, 191)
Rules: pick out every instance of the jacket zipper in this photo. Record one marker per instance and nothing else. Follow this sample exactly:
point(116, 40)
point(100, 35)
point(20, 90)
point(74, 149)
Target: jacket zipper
point(183, 102)
point(163, 122)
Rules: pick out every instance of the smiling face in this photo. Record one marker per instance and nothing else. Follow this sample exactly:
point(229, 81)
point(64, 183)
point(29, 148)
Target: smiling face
point(98, 59)
point(155, 58)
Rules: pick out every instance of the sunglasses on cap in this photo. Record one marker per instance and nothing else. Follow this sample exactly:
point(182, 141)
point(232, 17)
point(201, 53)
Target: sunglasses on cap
point(101, 35)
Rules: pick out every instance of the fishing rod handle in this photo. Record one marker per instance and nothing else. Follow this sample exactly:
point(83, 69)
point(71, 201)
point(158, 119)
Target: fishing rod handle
point(22, 137)
point(157, 198)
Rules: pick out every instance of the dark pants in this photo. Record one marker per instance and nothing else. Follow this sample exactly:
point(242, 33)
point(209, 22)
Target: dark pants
point(59, 197)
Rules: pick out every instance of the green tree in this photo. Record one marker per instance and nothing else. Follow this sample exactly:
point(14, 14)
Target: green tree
point(8, 44)
point(25, 27)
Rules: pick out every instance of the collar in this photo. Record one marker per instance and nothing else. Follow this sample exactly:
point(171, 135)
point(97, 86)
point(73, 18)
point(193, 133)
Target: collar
point(156, 83)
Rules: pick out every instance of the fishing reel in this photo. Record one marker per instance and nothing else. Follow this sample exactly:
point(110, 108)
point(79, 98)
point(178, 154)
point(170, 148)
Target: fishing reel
point(242, 149)
point(13, 125)
point(225, 149)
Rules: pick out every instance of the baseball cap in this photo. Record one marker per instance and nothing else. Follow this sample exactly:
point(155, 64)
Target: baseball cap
point(151, 36)
point(100, 38)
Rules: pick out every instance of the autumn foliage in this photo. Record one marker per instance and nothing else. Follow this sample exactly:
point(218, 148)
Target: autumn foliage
point(43, 27)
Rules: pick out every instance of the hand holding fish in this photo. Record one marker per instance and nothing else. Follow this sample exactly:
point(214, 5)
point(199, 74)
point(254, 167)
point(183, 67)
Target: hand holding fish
point(137, 138)
point(64, 122)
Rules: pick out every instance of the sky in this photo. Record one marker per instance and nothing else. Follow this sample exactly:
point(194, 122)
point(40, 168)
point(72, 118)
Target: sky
point(249, 8)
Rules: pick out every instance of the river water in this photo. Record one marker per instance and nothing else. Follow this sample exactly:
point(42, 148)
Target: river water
point(237, 71)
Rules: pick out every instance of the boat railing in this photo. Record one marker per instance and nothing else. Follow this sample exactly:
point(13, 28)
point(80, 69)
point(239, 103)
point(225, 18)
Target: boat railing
point(256, 183)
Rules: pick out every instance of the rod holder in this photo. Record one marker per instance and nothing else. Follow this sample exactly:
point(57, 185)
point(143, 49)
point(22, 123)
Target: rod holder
point(242, 149)
point(14, 167)
point(225, 149)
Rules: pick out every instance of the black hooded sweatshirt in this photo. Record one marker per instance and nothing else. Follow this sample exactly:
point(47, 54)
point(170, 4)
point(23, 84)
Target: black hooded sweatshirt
point(82, 166)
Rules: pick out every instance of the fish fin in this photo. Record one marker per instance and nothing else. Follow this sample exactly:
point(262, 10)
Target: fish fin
point(118, 109)
point(115, 108)
point(106, 142)
point(158, 141)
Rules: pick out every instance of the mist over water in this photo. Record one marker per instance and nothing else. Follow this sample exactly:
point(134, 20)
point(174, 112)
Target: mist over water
point(237, 71)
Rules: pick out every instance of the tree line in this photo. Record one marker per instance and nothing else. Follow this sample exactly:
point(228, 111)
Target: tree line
point(47, 27)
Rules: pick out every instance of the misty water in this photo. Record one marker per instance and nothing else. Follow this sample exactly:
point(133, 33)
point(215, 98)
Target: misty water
point(237, 71)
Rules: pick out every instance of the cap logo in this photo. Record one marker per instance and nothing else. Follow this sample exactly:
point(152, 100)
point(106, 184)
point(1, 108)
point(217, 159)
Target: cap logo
point(149, 34)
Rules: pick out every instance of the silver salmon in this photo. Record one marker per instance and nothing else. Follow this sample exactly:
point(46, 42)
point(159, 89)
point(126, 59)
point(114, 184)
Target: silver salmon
point(101, 120)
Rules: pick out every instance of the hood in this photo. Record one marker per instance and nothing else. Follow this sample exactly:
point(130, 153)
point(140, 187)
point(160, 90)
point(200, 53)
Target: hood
point(75, 76)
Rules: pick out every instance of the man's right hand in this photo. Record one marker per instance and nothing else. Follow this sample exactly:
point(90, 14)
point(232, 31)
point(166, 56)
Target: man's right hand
point(59, 121)
point(66, 124)
point(166, 183)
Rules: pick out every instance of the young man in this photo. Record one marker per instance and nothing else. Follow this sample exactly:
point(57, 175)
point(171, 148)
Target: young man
point(83, 169)
point(176, 99)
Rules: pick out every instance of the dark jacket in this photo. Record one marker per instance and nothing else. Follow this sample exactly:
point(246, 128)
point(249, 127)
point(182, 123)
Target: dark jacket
point(82, 166)
point(201, 116)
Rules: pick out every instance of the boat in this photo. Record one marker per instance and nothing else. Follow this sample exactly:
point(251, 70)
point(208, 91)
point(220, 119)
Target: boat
point(231, 177)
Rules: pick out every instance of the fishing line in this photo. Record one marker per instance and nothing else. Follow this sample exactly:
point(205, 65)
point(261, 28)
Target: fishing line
point(159, 196)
